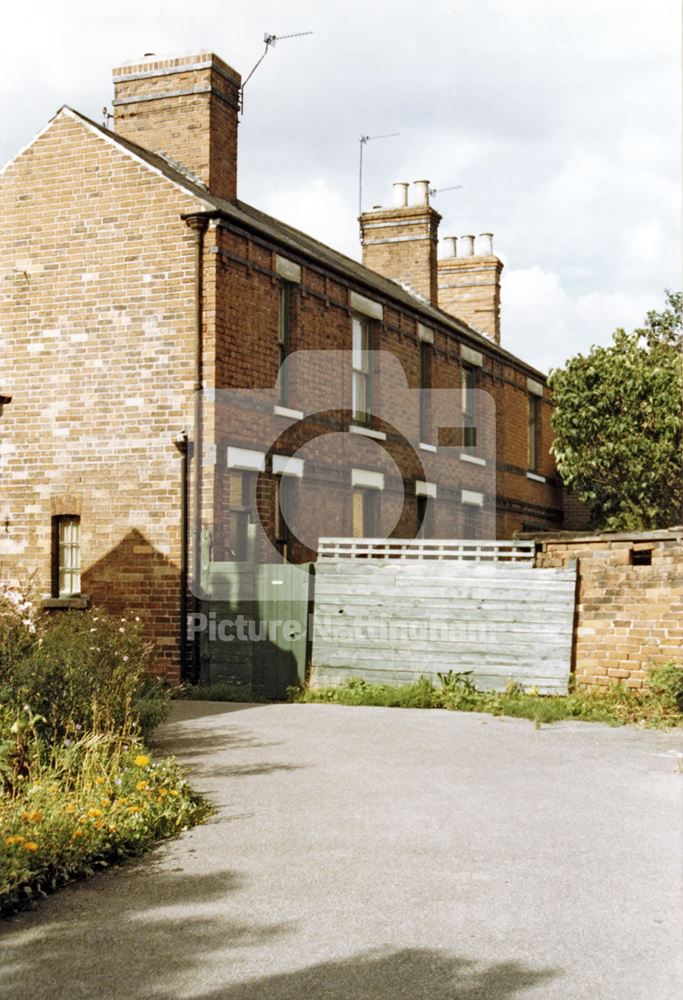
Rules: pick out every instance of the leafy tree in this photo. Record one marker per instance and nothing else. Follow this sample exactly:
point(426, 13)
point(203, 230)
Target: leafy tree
point(618, 424)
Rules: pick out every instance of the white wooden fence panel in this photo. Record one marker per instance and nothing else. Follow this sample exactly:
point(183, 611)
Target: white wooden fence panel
point(483, 550)
point(394, 620)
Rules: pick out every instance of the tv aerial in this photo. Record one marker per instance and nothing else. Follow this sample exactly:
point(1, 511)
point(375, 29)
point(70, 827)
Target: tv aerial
point(362, 141)
point(433, 191)
point(270, 41)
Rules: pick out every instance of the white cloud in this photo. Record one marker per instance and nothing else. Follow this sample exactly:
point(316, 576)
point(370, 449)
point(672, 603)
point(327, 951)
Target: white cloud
point(544, 324)
point(561, 121)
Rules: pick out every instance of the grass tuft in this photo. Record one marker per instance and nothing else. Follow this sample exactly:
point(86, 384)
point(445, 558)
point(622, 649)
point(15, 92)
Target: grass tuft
point(657, 705)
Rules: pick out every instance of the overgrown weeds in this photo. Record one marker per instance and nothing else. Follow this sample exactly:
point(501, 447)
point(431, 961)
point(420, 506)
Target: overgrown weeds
point(657, 705)
point(78, 789)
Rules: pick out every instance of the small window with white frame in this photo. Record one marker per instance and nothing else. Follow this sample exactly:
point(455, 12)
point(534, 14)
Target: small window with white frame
point(66, 556)
point(361, 388)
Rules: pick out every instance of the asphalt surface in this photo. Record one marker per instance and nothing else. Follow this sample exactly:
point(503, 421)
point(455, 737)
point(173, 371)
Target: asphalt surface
point(385, 853)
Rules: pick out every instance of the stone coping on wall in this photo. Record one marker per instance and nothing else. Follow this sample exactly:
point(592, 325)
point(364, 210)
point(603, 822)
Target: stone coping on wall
point(564, 537)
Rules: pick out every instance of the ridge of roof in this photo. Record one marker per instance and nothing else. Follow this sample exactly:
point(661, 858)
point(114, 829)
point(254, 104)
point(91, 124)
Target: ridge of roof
point(309, 246)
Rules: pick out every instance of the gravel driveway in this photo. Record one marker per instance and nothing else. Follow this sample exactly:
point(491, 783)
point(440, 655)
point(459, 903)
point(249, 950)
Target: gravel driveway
point(385, 853)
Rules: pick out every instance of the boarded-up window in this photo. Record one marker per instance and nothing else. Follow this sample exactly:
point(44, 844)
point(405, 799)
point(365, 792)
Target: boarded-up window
point(363, 519)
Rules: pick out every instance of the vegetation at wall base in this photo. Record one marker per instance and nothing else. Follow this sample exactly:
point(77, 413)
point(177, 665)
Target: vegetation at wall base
point(78, 789)
point(658, 705)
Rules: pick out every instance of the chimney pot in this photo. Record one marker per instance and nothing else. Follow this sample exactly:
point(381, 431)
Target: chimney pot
point(485, 244)
point(421, 192)
point(451, 246)
point(466, 246)
point(400, 194)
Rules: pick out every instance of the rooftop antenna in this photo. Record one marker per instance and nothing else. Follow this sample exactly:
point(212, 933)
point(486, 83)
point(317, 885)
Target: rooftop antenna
point(433, 191)
point(269, 40)
point(362, 141)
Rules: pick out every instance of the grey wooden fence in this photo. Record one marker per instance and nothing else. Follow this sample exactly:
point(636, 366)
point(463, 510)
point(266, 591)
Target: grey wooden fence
point(394, 619)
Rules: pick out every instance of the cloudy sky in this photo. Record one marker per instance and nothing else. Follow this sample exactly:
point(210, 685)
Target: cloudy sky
point(561, 121)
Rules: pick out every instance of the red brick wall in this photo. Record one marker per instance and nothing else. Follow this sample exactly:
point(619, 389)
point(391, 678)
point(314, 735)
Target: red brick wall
point(97, 327)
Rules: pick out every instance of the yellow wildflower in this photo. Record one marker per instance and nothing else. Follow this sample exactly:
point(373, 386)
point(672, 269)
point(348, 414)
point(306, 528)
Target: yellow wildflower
point(11, 841)
point(174, 793)
point(141, 760)
point(163, 792)
point(133, 809)
point(99, 824)
point(77, 833)
point(94, 812)
point(30, 845)
point(35, 817)
point(99, 781)
point(105, 802)
point(70, 807)
point(112, 828)
point(141, 786)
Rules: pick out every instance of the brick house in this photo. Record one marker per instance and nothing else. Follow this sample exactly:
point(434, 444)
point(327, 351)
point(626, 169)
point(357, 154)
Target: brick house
point(134, 282)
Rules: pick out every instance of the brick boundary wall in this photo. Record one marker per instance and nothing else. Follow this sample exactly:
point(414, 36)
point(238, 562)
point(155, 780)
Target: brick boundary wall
point(629, 612)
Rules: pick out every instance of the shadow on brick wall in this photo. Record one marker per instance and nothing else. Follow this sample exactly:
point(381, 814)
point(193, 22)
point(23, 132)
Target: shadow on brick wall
point(136, 578)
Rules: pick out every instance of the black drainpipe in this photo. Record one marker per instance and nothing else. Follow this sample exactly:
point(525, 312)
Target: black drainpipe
point(182, 445)
point(198, 224)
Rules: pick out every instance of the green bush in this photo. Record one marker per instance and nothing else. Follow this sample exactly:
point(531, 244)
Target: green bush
point(87, 673)
point(666, 683)
point(78, 790)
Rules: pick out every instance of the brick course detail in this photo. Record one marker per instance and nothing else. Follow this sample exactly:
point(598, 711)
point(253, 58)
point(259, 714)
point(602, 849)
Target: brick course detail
point(629, 617)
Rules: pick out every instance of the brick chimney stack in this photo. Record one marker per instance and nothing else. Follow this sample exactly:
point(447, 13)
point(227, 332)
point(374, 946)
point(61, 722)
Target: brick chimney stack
point(185, 107)
point(469, 283)
point(401, 242)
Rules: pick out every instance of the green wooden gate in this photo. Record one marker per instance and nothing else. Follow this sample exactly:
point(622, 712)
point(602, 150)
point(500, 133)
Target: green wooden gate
point(257, 625)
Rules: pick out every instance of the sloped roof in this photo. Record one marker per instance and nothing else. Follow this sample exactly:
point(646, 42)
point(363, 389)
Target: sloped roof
point(294, 240)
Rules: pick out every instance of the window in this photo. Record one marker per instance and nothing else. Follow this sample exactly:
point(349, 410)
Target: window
point(242, 506)
point(533, 432)
point(283, 535)
point(470, 520)
point(425, 383)
point(424, 517)
point(469, 410)
point(363, 514)
point(283, 339)
point(640, 557)
point(361, 401)
point(66, 556)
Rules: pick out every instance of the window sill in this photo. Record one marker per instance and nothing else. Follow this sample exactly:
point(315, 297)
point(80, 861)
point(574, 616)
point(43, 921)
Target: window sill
point(427, 447)
point(367, 432)
point(536, 478)
point(284, 411)
point(473, 459)
point(66, 603)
